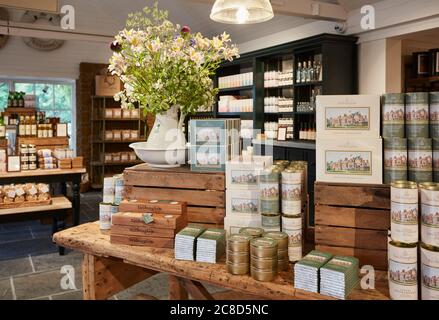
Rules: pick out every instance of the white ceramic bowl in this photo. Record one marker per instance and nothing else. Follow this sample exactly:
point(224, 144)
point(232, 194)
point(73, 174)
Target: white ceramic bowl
point(160, 158)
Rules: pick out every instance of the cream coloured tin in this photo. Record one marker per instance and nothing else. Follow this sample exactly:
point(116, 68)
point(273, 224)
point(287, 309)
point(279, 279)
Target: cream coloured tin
point(403, 272)
point(430, 225)
point(404, 222)
point(119, 189)
point(105, 212)
point(429, 272)
point(280, 237)
point(429, 193)
point(404, 192)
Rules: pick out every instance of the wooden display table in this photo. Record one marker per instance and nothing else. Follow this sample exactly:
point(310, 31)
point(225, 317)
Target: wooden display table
point(49, 176)
point(109, 269)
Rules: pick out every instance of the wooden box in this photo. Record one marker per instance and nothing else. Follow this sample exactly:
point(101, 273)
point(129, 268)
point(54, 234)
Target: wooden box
point(77, 162)
point(153, 206)
point(46, 143)
point(65, 163)
point(204, 192)
point(353, 220)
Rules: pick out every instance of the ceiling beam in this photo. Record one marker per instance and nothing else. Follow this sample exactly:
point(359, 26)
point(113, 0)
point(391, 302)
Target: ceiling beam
point(304, 8)
point(22, 29)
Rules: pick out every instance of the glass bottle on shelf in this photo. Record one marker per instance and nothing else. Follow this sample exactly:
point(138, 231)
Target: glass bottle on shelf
point(318, 70)
point(299, 73)
point(33, 126)
point(304, 72)
point(310, 73)
point(28, 124)
point(21, 127)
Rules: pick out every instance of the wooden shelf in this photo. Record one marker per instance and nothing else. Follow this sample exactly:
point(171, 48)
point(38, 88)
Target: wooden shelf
point(294, 144)
point(58, 203)
point(234, 114)
point(128, 163)
point(288, 86)
point(19, 111)
point(118, 141)
point(307, 84)
point(226, 90)
point(41, 172)
point(53, 141)
point(117, 120)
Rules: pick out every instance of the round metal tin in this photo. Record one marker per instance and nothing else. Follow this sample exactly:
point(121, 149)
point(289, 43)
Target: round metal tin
point(404, 192)
point(238, 257)
point(262, 275)
point(253, 232)
point(430, 224)
point(270, 220)
point(420, 162)
point(393, 115)
point(238, 269)
point(280, 237)
point(429, 272)
point(264, 264)
point(283, 265)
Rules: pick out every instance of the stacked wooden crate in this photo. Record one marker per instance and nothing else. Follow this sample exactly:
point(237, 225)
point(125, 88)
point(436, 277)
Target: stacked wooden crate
point(353, 219)
point(151, 224)
point(204, 192)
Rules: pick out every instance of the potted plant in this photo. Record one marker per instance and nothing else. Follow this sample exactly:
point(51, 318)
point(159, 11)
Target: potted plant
point(167, 71)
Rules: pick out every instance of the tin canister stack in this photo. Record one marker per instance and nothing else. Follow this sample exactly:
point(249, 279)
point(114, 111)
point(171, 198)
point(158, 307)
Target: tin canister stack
point(403, 247)
point(113, 194)
point(238, 253)
point(264, 260)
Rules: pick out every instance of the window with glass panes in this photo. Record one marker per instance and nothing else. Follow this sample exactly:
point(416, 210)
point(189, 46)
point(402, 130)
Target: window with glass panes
point(55, 98)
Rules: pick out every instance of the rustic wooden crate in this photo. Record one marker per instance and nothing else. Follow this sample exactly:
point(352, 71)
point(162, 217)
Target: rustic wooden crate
point(204, 193)
point(353, 219)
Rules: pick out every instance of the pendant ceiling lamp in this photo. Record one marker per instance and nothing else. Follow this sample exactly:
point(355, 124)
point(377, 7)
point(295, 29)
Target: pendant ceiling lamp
point(241, 11)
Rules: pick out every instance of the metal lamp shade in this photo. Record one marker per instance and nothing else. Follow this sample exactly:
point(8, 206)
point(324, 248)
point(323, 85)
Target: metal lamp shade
point(241, 11)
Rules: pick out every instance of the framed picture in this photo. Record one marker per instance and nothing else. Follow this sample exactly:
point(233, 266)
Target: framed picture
point(242, 202)
point(242, 175)
point(282, 134)
point(208, 158)
point(348, 115)
point(349, 161)
point(14, 164)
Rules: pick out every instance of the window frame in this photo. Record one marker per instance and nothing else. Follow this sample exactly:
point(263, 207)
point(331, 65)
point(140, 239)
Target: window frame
point(11, 81)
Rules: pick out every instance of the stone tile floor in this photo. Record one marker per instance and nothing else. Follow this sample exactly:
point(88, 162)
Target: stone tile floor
point(30, 266)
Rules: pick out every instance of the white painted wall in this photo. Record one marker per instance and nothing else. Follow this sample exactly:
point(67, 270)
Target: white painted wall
point(18, 60)
point(372, 67)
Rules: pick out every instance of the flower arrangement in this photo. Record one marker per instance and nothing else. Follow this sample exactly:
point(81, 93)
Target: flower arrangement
point(163, 65)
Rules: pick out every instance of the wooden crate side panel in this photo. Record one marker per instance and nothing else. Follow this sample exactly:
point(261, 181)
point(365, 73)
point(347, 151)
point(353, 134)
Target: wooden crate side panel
point(375, 258)
point(191, 197)
point(206, 215)
point(351, 238)
point(183, 180)
point(374, 219)
point(352, 196)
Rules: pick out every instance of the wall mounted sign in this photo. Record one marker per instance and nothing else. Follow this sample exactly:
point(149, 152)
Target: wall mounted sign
point(39, 43)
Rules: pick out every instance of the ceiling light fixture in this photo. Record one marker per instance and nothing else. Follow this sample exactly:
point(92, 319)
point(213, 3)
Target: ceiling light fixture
point(241, 11)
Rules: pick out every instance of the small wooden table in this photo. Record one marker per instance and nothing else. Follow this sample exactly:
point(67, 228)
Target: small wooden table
point(50, 176)
point(109, 269)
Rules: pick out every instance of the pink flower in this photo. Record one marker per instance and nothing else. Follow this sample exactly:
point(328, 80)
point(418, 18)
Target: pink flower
point(185, 30)
point(115, 46)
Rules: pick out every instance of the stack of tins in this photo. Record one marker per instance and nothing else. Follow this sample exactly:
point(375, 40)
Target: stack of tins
point(282, 248)
point(269, 198)
point(403, 246)
point(294, 183)
point(238, 254)
point(263, 255)
point(420, 111)
point(430, 241)
point(113, 194)
point(150, 224)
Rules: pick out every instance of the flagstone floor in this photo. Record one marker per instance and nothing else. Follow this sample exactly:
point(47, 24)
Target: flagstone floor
point(30, 264)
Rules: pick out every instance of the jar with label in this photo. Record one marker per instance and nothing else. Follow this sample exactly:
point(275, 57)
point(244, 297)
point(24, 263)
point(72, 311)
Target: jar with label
point(420, 157)
point(33, 165)
point(395, 159)
point(393, 115)
point(417, 115)
point(403, 271)
point(404, 212)
point(269, 190)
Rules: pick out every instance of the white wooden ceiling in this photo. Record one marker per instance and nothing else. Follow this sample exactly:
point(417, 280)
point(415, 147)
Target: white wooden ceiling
point(107, 17)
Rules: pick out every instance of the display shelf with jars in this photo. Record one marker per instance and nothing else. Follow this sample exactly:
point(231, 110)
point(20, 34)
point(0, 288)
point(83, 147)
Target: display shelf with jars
point(113, 129)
